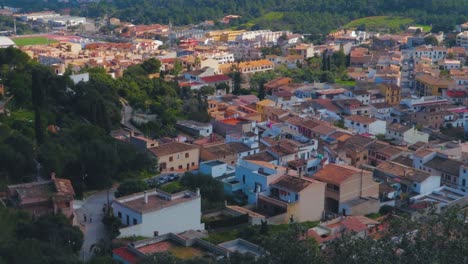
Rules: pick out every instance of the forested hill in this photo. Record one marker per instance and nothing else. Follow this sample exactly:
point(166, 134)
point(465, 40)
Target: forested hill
point(311, 17)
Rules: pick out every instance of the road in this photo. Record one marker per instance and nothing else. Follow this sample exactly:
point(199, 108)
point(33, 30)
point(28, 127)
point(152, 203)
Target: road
point(127, 112)
point(94, 229)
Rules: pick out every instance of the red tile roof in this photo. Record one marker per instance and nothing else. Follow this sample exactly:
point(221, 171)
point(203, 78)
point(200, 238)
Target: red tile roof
point(336, 174)
point(215, 78)
point(125, 254)
point(361, 119)
point(456, 94)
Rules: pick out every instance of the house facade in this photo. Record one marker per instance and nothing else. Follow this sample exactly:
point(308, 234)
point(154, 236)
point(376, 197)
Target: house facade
point(155, 212)
point(348, 187)
point(176, 156)
point(365, 125)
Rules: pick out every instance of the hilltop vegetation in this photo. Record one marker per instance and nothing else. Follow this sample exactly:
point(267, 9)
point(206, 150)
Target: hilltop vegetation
point(316, 18)
point(380, 23)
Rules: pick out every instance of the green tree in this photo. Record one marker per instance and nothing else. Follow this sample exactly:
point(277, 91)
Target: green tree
point(292, 246)
point(431, 40)
point(178, 67)
point(130, 187)
point(151, 66)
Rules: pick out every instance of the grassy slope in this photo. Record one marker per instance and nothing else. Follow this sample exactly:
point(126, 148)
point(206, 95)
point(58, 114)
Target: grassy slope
point(32, 41)
point(266, 18)
point(381, 23)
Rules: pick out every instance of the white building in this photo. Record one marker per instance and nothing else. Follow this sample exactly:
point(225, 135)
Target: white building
point(255, 177)
point(82, 77)
point(447, 64)
point(6, 42)
point(434, 53)
point(462, 39)
point(215, 168)
point(39, 15)
point(155, 212)
point(194, 128)
point(463, 178)
point(381, 110)
point(401, 133)
point(66, 21)
point(365, 125)
point(221, 57)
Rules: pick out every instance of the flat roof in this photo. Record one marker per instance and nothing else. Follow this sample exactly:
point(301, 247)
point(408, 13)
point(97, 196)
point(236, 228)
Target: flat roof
point(156, 200)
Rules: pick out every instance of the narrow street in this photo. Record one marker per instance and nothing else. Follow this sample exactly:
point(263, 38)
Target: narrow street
point(94, 229)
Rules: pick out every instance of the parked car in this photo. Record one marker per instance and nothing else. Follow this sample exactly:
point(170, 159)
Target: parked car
point(174, 177)
point(163, 180)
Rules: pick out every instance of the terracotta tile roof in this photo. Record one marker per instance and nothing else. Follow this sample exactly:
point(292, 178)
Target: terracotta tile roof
point(261, 156)
point(361, 119)
point(430, 80)
point(423, 152)
point(398, 127)
point(336, 174)
point(157, 247)
point(323, 130)
point(339, 134)
point(64, 187)
point(126, 255)
point(294, 184)
point(403, 172)
point(215, 78)
point(358, 141)
point(171, 148)
point(448, 166)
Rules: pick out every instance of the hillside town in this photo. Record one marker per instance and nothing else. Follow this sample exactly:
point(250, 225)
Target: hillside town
point(381, 131)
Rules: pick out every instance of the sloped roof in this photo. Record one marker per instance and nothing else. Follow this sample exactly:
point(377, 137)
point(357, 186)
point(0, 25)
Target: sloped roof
point(171, 148)
point(336, 174)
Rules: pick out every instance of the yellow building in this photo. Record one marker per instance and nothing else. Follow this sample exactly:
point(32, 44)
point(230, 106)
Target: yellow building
point(427, 85)
point(255, 66)
point(391, 92)
point(224, 35)
point(260, 107)
point(176, 156)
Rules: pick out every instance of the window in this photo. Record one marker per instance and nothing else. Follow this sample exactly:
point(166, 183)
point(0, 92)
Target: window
point(297, 197)
point(364, 158)
point(180, 167)
point(193, 163)
point(172, 168)
point(187, 155)
point(162, 166)
point(464, 182)
point(134, 221)
point(119, 214)
point(171, 158)
point(333, 187)
point(243, 179)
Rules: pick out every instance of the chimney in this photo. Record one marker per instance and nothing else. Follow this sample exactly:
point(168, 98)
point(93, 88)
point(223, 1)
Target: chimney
point(146, 197)
point(52, 176)
point(198, 192)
